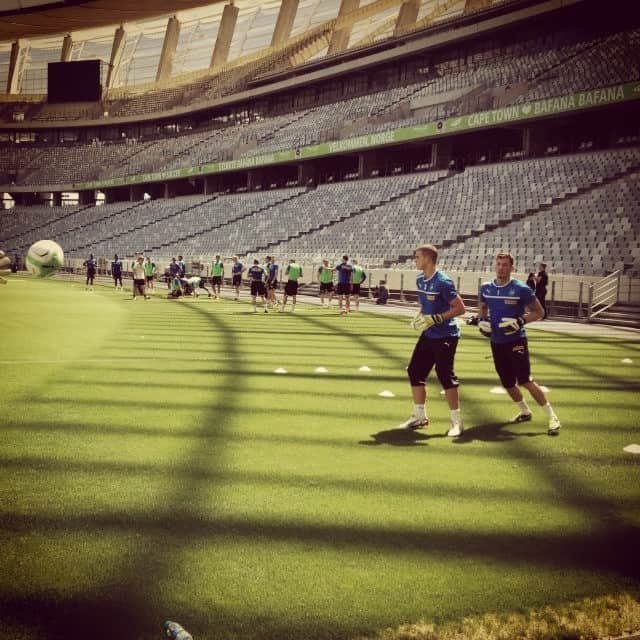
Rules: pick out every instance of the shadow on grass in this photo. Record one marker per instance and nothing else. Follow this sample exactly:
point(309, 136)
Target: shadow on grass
point(397, 438)
point(132, 603)
point(494, 432)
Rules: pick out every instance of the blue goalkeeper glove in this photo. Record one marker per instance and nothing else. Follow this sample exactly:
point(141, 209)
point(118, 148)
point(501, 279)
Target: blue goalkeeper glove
point(421, 322)
point(509, 326)
point(484, 326)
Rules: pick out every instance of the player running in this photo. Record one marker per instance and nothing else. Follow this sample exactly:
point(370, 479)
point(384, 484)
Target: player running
point(257, 275)
point(440, 303)
point(217, 274)
point(325, 276)
point(506, 305)
point(358, 276)
point(237, 269)
point(344, 284)
point(293, 273)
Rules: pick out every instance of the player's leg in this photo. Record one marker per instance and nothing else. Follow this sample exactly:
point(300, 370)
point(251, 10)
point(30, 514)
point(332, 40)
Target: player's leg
point(293, 302)
point(445, 357)
point(538, 395)
point(508, 379)
point(420, 365)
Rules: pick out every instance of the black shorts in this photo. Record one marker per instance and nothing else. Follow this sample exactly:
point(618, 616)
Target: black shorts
point(326, 287)
point(291, 288)
point(149, 278)
point(236, 281)
point(343, 289)
point(511, 360)
point(355, 289)
point(429, 352)
point(257, 288)
point(272, 285)
point(216, 279)
point(138, 287)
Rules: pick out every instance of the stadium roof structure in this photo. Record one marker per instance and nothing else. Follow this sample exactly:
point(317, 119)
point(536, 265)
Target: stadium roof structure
point(131, 39)
point(37, 18)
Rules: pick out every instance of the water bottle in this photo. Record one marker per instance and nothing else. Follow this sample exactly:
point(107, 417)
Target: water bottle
point(175, 631)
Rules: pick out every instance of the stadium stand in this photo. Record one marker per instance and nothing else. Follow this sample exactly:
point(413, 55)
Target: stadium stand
point(528, 205)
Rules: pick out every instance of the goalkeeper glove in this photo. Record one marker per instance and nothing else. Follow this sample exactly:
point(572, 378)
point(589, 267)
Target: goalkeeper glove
point(509, 326)
point(421, 322)
point(485, 327)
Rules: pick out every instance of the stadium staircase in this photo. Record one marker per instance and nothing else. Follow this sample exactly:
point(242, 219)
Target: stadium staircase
point(620, 315)
point(142, 148)
point(351, 214)
point(516, 217)
point(215, 227)
point(272, 134)
point(31, 167)
point(139, 226)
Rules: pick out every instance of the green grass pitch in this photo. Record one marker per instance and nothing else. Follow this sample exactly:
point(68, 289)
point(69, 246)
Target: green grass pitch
point(154, 467)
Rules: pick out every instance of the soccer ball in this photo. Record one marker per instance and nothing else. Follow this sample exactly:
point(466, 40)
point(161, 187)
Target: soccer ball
point(44, 258)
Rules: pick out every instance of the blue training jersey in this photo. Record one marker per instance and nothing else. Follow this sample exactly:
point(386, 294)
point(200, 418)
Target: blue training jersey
point(116, 267)
point(435, 295)
point(344, 272)
point(272, 274)
point(507, 301)
point(236, 268)
point(256, 273)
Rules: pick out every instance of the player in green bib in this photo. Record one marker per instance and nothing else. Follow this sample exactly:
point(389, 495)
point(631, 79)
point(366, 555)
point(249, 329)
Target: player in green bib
point(149, 272)
point(358, 276)
point(325, 275)
point(217, 273)
point(293, 273)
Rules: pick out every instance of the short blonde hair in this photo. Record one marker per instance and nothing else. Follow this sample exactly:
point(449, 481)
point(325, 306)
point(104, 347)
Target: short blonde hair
point(507, 255)
point(429, 250)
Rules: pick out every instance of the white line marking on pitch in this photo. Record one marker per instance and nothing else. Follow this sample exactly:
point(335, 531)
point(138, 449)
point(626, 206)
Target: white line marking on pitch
point(498, 390)
point(627, 361)
point(387, 394)
point(364, 368)
point(321, 370)
point(632, 448)
point(280, 370)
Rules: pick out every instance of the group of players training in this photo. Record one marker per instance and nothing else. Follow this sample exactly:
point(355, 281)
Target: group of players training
point(263, 281)
point(505, 306)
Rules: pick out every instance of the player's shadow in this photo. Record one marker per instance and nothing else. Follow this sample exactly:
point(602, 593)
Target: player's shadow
point(399, 438)
point(494, 432)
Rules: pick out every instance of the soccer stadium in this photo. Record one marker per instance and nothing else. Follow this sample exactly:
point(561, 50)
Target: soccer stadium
point(320, 319)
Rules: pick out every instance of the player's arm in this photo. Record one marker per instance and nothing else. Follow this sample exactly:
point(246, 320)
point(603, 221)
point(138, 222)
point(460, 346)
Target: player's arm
point(421, 322)
point(484, 326)
point(534, 311)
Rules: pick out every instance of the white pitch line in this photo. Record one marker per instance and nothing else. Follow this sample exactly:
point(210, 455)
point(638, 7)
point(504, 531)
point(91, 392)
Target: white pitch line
point(387, 394)
point(632, 448)
point(498, 390)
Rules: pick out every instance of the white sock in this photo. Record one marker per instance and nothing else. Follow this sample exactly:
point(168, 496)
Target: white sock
point(523, 406)
point(455, 415)
point(548, 410)
point(419, 411)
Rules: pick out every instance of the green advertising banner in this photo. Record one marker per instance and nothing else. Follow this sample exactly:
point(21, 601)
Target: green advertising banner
point(480, 120)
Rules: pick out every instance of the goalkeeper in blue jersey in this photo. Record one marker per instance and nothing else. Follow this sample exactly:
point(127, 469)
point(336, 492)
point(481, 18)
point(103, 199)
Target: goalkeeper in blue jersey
point(506, 305)
point(440, 303)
